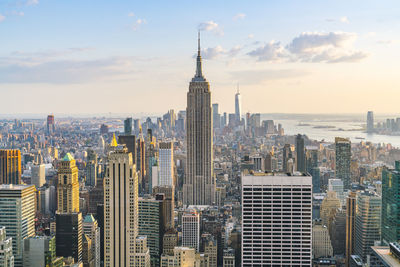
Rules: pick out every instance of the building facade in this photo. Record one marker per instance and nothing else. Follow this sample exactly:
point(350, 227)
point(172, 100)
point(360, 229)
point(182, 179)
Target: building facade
point(343, 157)
point(199, 181)
point(10, 166)
point(277, 220)
point(68, 185)
point(191, 230)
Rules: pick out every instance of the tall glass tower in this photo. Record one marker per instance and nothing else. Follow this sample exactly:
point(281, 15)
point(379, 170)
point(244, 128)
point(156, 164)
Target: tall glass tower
point(343, 157)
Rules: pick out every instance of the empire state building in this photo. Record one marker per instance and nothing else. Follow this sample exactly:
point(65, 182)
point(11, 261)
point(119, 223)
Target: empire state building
point(199, 182)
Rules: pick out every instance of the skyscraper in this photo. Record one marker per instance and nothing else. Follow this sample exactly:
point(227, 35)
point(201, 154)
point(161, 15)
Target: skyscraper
point(50, 124)
point(6, 252)
point(350, 225)
point(91, 168)
point(166, 164)
point(68, 185)
point(121, 210)
point(277, 219)
point(40, 251)
point(69, 235)
point(301, 153)
point(343, 157)
point(17, 214)
point(38, 175)
point(191, 230)
point(128, 126)
point(367, 223)
point(199, 181)
point(391, 204)
point(370, 122)
point(10, 166)
point(216, 116)
point(238, 105)
point(92, 230)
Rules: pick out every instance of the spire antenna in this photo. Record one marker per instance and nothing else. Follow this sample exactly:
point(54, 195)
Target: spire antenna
point(198, 43)
point(199, 73)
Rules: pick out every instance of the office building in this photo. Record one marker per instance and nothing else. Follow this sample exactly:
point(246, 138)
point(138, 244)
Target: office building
point(370, 122)
point(199, 181)
point(386, 256)
point(69, 235)
point(166, 164)
point(151, 224)
point(38, 175)
point(228, 258)
point(191, 230)
point(128, 126)
point(87, 253)
point(277, 219)
point(170, 241)
point(210, 249)
point(321, 243)
point(287, 154)
point(130, 142)
point(391, 204)
point(68, 185)
point(92, 230)
point(216, 117)
point(91, 168)
point(121, 211)
point(336, 185)
point(238, 105)
point(300, 154)
point(6, 252)
point(350, 225)
point(367, 223)
point(183, 256)
point(330, 204)
point(17, 214)
point(343, 157)
point(10, 166)
point(40, 251)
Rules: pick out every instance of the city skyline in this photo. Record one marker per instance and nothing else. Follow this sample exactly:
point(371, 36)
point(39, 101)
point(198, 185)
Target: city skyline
point(302, 53)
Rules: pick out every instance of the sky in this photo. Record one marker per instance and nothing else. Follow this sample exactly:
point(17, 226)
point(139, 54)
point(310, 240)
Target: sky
point(74, 56)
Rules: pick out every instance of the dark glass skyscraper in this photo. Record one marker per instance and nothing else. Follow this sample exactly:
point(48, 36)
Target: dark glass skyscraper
point(391, 204)
point(300, 153)
point(128, 126)
point(343, 157)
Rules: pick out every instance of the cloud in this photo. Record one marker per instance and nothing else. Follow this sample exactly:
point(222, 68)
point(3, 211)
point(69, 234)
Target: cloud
point(331, 47)
point(138, 23)
point(250, 36)
point(32, 2)
point(131, 14)
point(2, 18)
point(211, 26)
point(16, 70)
point(272, 51)
point(343, 19)
point(239, 16)
point(18, 13)
point(218, 51)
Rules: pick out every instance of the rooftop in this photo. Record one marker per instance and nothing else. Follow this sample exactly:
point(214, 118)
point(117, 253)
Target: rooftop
point(68, 157)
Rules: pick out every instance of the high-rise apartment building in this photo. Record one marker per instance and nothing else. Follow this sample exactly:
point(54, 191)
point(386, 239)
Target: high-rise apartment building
point(68, 185)
point(191, 230)
point(300, 153)
point(128, 126)
point(6, 252)
point(50, 124)
point(350, 225)
point(69, 235)
point(92, 230)
point(166, 164)
point(10, 166)
point(199, 181)
point(38, 175)
point(391, 204)
point(121, 211)
point(17, 214)
point(367, 223)
point(277, 219)
point(343, 157)
point(370, 122)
